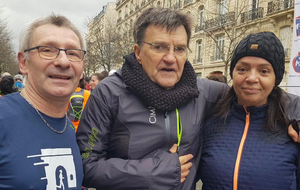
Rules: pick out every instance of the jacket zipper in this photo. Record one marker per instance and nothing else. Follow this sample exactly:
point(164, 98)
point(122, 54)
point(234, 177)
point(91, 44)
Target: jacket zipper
point(168, 129)
point(240, 151)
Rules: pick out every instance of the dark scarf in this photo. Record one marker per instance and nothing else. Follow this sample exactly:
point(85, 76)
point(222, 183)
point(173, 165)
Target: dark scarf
point(154, 95)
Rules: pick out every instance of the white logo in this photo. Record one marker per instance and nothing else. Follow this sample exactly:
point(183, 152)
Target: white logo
point(59, 168)
point(152, 118)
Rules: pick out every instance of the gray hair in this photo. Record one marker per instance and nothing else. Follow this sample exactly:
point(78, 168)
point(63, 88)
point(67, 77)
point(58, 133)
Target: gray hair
point(57, 20)
point(164, 17)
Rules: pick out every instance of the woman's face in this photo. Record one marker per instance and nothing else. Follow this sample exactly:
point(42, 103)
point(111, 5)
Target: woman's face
point(94, 81)
point(253, 81)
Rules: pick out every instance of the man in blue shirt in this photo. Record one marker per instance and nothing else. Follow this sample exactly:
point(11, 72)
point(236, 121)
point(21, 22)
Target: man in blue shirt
point(38, 149)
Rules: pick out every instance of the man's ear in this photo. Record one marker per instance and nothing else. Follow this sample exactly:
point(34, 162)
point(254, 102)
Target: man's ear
point(22, 63)
point(137, 52)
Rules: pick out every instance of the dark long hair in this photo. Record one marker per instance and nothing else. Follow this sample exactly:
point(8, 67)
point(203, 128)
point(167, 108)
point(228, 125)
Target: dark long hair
point(276, 111)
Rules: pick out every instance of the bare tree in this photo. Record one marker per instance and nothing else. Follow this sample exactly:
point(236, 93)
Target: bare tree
point(7, 55)
point(106, 46)
point(226, 28)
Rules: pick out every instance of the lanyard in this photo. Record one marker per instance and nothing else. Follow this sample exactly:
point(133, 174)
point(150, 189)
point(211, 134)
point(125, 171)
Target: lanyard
point(179, 129)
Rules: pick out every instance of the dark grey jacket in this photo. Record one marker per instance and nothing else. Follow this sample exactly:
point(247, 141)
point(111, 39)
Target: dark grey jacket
point(124, 144)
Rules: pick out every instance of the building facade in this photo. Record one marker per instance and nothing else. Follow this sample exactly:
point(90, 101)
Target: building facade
point(218, 26)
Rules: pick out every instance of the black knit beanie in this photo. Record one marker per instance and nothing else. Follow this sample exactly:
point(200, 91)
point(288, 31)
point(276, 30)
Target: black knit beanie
point(264, 45)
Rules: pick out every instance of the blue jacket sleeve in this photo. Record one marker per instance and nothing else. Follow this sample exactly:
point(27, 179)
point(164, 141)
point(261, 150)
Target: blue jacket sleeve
point(160, 171)
point(298, 169)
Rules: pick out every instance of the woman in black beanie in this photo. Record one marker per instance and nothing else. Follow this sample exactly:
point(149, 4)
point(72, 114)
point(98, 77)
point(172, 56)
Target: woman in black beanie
point(245, 142)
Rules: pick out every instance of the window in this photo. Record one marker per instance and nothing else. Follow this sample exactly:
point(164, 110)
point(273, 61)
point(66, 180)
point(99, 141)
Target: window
point(199, 47)
point(223, 7)
point(179, 4)
point(126, 11)
point(219, 47)
point(131, 7)
point(285, 38)
point(169, 3)
point(120, 14)
point(253, 4)
point(201, 17)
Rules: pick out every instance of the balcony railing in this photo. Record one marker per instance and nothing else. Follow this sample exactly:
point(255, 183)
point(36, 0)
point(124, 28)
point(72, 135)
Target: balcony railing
point(220, 20)
point(278, 5)
point(252, 15)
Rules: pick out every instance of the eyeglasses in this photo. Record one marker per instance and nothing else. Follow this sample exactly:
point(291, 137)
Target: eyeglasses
point(163, 48)
point(50, 53)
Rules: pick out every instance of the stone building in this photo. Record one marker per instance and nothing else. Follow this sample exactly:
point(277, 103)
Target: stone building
point(218, 26)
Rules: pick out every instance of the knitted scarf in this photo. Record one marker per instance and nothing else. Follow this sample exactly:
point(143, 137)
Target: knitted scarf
point(154, 95)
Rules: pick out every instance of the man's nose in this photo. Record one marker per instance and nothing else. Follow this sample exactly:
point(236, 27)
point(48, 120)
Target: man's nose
point(170, 56)
point(62, 60)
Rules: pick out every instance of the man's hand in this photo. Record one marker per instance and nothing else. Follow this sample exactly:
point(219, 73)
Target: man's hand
point(185, 165)
point(292, 131)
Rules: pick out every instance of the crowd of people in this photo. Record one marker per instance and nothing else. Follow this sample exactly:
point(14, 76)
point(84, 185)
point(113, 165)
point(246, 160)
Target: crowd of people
point(152, 124)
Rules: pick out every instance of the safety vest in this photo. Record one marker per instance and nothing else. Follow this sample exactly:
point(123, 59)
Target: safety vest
point(76, 105)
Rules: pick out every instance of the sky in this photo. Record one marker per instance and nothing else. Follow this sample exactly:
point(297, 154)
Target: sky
point(17, 13)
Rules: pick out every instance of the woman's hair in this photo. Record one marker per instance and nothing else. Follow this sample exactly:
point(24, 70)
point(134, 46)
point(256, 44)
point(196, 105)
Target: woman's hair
point(99, 76)
point(7, 85)
point(276, 110)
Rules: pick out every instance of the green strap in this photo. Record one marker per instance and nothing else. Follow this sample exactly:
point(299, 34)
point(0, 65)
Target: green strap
point(179, 128)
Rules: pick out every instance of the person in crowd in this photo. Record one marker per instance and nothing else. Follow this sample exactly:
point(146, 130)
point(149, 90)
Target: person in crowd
point(7, 85)
point(105, 73)
point(77, 103)
point(134, 117)
point(96, 78)
point(18, 81)
point(38, 148)
point(218, 78)
point(245, 141)
point(87, 83)
point(5, 74)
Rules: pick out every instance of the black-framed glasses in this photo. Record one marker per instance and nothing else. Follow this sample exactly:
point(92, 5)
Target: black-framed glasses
point(50, 53)
point(164, 48)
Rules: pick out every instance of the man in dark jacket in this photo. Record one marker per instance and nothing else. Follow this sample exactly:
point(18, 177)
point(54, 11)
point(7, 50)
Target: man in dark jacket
point(155, 100)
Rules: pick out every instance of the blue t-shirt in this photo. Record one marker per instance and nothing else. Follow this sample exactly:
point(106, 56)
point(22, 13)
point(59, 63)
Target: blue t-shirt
point(32, 156)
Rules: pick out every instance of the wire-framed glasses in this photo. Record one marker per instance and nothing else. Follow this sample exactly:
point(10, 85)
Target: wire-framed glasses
point(164, 48)
point(50, 53)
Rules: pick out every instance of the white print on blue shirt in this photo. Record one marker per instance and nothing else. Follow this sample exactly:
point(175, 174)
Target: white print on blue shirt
point(59, 168)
